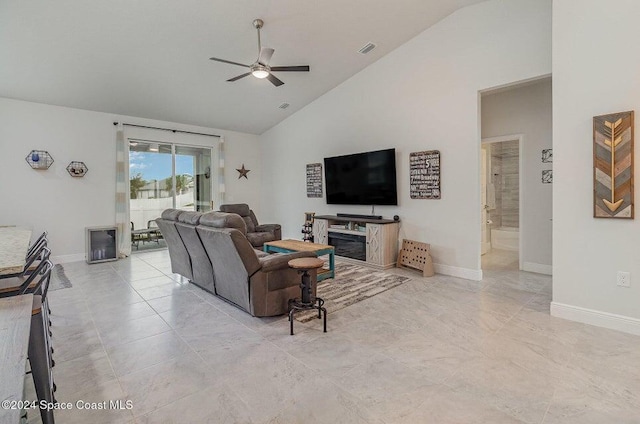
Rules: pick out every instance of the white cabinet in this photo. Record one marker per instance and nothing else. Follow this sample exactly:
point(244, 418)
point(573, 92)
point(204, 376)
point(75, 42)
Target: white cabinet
point(374, 241)
point(320, 231)
point(379, 239)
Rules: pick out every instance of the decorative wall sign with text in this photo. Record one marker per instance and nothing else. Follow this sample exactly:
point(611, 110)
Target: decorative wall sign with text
point(547, 176)
point(314, 180)
point(613, 165)
point(547, 155)
point(424, 174)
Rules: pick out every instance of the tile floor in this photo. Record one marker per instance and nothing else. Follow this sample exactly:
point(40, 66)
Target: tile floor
point(500, 260)
point(433, 350)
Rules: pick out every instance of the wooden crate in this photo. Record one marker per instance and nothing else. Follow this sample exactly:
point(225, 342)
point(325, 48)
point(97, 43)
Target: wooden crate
point(416, 255)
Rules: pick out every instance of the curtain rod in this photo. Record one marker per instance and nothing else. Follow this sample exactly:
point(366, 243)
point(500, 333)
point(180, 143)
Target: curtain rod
point(167, 129)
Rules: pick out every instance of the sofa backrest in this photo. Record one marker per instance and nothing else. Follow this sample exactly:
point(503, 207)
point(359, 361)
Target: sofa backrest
point(233, 261)
point(200, 264)
point(171, 214)
point(245, 213)
point(223, 220)
point(190, 217)
point(180, 260)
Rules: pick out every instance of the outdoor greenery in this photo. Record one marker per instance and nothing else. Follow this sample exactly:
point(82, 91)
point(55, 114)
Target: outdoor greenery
point(135, 184)
point(181, 183)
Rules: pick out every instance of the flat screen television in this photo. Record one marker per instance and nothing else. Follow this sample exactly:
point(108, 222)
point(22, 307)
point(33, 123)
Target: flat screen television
point(362, 179)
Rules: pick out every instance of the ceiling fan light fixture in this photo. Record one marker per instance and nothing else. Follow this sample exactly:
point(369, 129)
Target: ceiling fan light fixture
point(259, 71)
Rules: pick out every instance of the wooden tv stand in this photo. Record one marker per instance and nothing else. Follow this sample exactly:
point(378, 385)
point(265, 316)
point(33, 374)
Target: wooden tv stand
point(373, 241)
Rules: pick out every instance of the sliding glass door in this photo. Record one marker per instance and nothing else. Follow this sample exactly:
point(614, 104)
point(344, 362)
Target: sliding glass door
point(165, 175)
point(193, 178)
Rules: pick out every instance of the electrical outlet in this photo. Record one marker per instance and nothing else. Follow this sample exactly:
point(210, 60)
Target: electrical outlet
point(624, 279)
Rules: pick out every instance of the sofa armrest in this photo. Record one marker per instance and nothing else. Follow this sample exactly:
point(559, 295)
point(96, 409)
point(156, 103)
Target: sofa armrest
point(267, 228)
point(280, 261)
point(274, 229)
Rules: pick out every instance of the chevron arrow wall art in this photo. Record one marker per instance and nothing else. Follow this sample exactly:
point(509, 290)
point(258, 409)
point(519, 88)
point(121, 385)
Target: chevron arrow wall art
point(613, 165)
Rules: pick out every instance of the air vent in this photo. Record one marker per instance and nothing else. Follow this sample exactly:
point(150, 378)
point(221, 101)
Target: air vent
point(367, 48)
point(284, 105)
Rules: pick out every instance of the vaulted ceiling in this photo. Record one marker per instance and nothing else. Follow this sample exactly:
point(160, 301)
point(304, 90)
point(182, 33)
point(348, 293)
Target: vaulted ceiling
point(150, 58)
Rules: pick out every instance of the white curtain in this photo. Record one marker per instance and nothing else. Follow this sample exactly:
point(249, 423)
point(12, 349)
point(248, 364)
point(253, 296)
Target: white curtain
point(122, 194)
point(219, 193)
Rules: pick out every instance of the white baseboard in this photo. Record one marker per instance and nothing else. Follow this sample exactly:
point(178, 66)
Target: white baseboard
point(63, 259)
point(597, 318)
point(454, 271)
point(539, 268)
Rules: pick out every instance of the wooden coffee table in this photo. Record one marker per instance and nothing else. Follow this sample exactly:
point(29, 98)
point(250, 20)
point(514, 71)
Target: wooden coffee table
point(288, 246)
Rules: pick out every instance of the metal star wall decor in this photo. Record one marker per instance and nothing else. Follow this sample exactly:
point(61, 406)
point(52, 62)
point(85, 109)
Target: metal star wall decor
point(243, 172)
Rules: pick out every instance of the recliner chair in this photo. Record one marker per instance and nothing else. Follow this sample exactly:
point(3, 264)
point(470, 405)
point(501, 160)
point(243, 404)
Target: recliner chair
point(256, 234)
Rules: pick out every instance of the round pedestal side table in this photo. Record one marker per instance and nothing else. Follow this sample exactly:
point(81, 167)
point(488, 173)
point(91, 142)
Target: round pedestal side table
point(306, 300)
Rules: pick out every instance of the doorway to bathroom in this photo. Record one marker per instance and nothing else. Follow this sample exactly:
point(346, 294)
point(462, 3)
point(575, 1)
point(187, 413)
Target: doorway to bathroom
point(501, 206)
point(515, 157)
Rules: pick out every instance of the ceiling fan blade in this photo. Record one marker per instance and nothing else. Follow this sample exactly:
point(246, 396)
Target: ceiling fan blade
point(275, 81)
point(304, 68)
point(228, 61)
point(238, 77)
point(265, 55)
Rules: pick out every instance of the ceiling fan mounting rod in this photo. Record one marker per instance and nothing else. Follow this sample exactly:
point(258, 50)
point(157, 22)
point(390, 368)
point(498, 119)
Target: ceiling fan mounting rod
point(258, 23)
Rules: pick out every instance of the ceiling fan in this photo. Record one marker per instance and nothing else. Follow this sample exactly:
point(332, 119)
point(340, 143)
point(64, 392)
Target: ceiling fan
point(260, 68)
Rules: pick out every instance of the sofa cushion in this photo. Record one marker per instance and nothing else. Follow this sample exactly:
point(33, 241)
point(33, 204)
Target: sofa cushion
point(191, 218)
point(223, 220)
point(171, 214)
point(249, 223)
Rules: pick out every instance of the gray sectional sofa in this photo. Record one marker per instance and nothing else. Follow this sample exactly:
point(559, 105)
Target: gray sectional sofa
point(212, 250)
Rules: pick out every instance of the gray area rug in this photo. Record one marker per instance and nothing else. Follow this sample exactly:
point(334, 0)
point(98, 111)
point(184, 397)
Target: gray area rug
point(59, 279)
point(352, 284)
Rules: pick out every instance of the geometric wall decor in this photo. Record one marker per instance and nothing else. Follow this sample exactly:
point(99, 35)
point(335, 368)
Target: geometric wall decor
point(39, 159)
point(77, 169)
point(424, 175)
point(314, 180)
point(613, 165)
point(547, 176)
point(547, 155)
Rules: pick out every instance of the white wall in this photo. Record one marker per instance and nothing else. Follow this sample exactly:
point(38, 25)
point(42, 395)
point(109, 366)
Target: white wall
point(596, 71)
point(527, 110)
point(54, 201)
point(422, 96)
